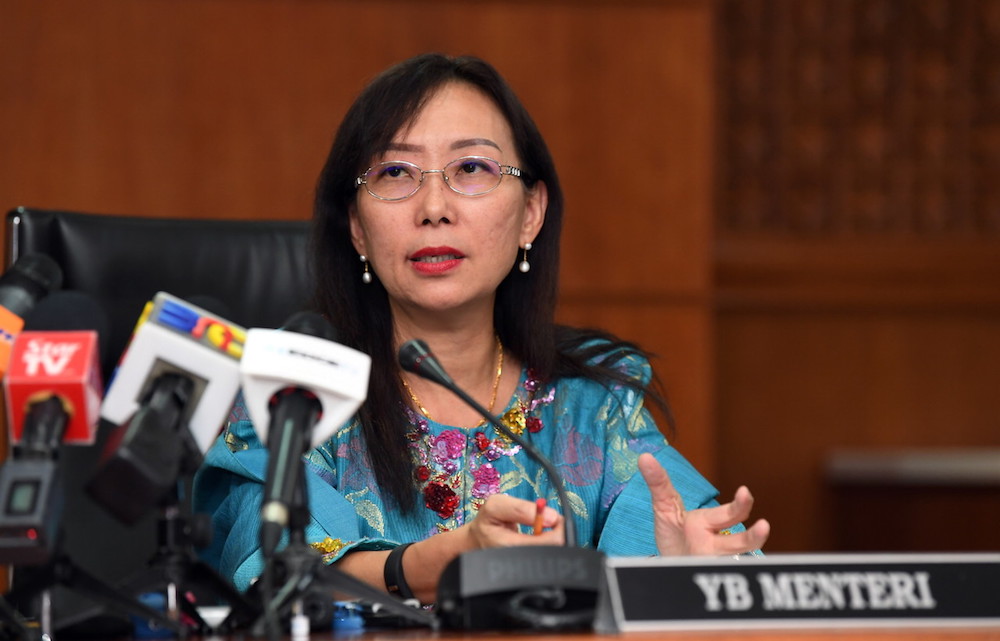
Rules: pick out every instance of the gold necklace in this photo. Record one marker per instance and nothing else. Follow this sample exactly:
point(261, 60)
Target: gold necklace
point(493, 395)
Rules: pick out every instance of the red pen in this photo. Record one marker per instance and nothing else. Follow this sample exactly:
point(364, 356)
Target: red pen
point(539, 510)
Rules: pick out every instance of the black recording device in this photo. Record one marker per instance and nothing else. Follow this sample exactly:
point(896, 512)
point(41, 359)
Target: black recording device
point(32, 504)
point(533, 587)
point(32, 510)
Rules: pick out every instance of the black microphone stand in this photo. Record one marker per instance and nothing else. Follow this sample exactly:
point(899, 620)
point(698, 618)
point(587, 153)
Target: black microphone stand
point(61, 570)
point(12, 624)
point(296, 582)
point(157, 457)
point(175, 568)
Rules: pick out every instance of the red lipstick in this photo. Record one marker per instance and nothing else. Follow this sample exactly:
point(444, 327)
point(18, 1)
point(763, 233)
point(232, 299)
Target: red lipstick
point(435, 260)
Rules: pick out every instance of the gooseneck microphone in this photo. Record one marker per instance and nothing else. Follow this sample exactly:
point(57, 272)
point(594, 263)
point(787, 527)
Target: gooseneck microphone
point(533, 586)
point(416, 357)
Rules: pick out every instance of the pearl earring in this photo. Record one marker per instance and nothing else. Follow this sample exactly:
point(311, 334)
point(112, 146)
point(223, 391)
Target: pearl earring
point(525, 265)
point(366, 276)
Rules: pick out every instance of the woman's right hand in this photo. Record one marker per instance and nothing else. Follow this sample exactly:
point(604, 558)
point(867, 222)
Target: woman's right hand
point(499, 521)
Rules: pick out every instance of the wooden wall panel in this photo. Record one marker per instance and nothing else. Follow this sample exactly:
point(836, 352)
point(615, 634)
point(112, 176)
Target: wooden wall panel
point(226, 108)
point(795, 386)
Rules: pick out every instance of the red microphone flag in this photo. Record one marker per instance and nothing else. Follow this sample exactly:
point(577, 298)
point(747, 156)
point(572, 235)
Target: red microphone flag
point(44, 364)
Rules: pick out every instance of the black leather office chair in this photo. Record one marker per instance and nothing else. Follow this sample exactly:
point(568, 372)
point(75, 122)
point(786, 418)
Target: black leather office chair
point(256, 269)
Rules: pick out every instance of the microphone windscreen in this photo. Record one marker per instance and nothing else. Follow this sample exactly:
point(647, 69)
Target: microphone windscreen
point(68, 311)
point(27, 281)
point(310, 324)
point(411, 353)
point(415, 356)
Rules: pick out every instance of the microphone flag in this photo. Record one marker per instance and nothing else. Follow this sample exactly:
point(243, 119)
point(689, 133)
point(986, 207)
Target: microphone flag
point(173, 335)
point(64, 365)
point(277, 359)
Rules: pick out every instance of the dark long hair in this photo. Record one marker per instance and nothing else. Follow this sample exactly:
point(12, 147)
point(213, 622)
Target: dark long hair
point(525, 302)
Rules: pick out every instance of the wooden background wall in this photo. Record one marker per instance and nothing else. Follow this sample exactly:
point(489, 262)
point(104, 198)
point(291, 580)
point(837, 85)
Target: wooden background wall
point(226, 108)
point(857, 263)
point(793, 202)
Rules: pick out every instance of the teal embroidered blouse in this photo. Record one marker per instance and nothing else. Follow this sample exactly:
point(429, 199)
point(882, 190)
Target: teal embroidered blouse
point(593, 433)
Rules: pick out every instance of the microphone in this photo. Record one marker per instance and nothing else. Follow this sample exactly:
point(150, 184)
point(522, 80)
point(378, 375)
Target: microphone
point(69, 310)
point(300, 388)
point(540, 587)
point(53, 391)
point(28, 280)
point(174, 387)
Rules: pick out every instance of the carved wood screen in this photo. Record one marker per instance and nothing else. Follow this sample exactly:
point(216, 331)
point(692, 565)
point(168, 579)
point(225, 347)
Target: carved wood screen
point(860, 117)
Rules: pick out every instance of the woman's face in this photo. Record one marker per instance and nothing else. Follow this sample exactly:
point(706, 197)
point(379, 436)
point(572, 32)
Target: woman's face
point(439, 250)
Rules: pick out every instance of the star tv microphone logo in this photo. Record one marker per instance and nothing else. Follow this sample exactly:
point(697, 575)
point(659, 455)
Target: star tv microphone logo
point(48, 355)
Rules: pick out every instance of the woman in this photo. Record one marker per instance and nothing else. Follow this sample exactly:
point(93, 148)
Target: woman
point(438, 217)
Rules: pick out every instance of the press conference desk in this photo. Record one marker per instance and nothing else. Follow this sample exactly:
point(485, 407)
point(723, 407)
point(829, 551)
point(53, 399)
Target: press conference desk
point(858, 634)
point(901, 634)
point(872, 634)
point(916, 634)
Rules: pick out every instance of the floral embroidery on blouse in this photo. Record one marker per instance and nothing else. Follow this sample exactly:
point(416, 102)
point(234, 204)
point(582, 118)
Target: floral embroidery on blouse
point(233, 442)
point(328, 548)
point(457, 464)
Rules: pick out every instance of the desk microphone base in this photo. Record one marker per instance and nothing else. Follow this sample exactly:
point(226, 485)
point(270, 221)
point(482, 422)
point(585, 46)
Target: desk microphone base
point(534, 587)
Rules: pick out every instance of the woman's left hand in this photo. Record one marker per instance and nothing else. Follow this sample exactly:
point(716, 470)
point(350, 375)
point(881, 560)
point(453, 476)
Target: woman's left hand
point(698, 532)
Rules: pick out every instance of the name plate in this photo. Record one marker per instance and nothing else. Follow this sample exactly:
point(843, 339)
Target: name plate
point(785, 590)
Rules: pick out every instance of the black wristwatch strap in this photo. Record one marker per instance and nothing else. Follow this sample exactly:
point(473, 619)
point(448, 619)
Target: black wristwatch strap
point(395, 580)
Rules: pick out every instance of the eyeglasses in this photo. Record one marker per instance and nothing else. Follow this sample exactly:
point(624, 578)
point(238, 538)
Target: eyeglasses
point(468, 175)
